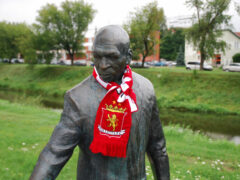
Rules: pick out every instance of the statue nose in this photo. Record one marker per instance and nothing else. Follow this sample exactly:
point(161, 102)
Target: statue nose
point(104, 64)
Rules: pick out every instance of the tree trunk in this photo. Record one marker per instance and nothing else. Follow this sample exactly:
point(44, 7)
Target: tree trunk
point(202, 54)
point(145, 54)
point(71, 56)
point(143, 60)
point(72, 59)
point(201, 63)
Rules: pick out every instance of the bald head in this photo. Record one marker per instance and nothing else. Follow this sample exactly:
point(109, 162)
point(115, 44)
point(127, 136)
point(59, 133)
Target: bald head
point(112, 35)
point(111, 52)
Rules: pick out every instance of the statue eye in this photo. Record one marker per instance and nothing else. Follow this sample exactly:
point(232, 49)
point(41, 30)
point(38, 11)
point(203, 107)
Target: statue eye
point(112, 56)
point(96, 56)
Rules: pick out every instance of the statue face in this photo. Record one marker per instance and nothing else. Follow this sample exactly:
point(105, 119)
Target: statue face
point(110, 52)
point(109, 62)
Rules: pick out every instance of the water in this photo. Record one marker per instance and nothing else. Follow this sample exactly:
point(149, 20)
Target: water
point(216, 126)
point(234, 139)
point(228, 124)
point(46, 101)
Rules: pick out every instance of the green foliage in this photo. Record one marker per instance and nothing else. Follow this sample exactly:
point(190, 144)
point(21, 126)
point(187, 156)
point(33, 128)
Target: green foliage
point(180, 57)
point(142, 28)
point(27, 48)
point(8, 47)
point(171, 40)
point(64, 28)
point(205, 33)
point(236, 58)
point(14, 39)
point(44, 42)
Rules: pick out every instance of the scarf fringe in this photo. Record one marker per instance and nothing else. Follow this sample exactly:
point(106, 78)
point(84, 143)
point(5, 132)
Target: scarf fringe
point(109, 148)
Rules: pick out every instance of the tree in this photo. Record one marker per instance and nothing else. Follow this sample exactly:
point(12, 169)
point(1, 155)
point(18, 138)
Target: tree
point(7, 41)
point(66, 26)
point(44, 43)
point(171, 40)
point(142, 28)
point(236, 58)
point(206, 31)
point(12, 38)
point(180, 57)
point(27, 47)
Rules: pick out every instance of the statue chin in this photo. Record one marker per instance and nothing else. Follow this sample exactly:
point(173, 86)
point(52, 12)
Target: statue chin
point(107, 78)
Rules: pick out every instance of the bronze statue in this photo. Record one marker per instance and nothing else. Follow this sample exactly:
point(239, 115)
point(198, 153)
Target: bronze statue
point(112, 54)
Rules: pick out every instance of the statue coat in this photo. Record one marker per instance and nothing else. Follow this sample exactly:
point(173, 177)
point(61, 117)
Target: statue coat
point(76, 129)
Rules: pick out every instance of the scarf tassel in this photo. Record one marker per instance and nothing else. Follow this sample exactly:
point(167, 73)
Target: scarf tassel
point(109, 148)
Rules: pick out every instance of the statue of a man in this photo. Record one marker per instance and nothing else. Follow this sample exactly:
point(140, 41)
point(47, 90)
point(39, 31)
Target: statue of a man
point(112, 116)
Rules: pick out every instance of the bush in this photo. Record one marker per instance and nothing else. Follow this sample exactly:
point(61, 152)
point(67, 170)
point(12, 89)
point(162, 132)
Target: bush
point(236, 58)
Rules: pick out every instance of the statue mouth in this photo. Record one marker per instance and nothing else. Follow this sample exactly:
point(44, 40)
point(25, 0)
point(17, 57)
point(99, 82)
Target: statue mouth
point(106, 75)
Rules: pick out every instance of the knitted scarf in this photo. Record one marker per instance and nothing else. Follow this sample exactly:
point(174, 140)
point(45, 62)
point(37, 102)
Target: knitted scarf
point(113, 120)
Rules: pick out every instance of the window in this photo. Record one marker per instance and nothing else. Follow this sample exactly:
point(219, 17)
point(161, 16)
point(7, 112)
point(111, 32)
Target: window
point(236, 45)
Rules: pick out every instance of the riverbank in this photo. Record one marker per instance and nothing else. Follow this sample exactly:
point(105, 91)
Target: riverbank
point(26, 129)
point(205, 101)
point(176, 88)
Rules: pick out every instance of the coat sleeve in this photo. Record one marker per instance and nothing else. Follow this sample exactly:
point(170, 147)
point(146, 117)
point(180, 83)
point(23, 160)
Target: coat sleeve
point(156, 148)
point(60, 147)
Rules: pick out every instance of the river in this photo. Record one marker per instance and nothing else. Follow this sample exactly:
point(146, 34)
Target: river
point(216, 126)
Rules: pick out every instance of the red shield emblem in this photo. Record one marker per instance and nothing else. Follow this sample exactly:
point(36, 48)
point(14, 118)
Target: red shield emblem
point(111, 123)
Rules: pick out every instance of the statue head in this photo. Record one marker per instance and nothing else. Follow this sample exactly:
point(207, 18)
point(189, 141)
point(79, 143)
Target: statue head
point(111, 52)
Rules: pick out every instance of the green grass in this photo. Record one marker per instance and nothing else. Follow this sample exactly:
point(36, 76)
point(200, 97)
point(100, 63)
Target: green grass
point(209, 101)
point(214, 91)
point(25, 130)
point(42, 79)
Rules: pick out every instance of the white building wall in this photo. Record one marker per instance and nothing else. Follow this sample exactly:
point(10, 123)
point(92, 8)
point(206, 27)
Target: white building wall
point(191, 54)
point(233, 47)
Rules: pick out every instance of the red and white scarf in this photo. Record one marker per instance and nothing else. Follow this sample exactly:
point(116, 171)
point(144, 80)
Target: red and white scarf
point(114, 116)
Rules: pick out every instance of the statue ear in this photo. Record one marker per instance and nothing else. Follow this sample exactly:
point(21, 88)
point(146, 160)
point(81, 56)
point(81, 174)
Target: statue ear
point(129, 56)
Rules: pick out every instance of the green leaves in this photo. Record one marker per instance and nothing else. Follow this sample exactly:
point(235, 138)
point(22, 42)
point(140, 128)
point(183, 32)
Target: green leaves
point(65, 26)
point(171, 41)
point(14, 39)
point(236, 58)
point(142, 28)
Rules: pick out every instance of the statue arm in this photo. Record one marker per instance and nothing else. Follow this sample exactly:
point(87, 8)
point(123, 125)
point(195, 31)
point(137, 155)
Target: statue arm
point(61, 145)
point(156, 148)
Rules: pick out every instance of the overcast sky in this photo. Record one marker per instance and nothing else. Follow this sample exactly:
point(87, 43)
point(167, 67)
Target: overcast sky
point(108, 11)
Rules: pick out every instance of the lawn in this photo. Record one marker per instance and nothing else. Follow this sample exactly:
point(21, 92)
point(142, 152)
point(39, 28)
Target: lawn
point(25, 129)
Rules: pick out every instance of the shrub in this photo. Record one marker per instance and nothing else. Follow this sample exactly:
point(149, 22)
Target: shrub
point(236, 58)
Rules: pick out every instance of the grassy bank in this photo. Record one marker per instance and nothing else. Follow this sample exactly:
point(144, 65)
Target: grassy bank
point(214, 91)
point(26, 129)
point(176, 88)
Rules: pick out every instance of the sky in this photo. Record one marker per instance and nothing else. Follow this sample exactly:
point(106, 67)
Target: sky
point(108, 11)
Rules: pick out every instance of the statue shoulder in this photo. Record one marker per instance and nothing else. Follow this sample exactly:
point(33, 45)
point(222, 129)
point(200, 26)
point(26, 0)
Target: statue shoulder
point(142, 83)
point(83, 88)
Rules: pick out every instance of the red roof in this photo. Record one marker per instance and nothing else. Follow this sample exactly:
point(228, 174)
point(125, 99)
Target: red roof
point(237, 33)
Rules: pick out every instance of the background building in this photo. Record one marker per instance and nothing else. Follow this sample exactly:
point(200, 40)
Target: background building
point(220, 58)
